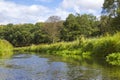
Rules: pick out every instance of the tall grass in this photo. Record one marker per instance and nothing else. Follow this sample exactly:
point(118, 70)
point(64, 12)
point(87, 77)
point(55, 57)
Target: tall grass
point(5, 49)
point(56, 48)
point(95, 47)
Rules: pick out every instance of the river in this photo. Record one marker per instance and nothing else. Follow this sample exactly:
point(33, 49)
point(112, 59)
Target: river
point(48, 67)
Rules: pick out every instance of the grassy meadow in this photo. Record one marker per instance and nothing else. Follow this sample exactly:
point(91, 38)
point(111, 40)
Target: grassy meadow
point(107, 48)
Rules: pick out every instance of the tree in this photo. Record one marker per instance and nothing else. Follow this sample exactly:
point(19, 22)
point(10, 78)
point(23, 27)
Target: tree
point(52, 27)
point(9, 25)
point(38, 35)
point(87, 24)
point(78, 25)
point(39, 24)
point(53, 19)
point(18, 35)
point(24, 34)
point(112, 9)
point(104, 25)
point(1, 32)
point(116, 23)
point(69, 31)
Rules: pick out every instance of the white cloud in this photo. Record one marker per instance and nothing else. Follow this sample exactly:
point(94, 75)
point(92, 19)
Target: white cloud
point(60, 12)
point(83, 5)
point(57, 12)
point(15, 13)
point(11, 12)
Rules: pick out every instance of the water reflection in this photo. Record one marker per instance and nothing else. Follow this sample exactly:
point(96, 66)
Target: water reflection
point(6, 55)
point(46, 67)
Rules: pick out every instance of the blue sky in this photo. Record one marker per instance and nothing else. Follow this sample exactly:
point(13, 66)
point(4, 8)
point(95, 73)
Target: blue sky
point(48, 3)
point(32, 11)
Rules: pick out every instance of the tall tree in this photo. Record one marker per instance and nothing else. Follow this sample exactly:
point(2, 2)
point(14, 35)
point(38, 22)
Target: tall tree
point(112, 9)
point(104, 25)
point(87, 24)
point(77, 25)
point(68, 32)
point(52, 27)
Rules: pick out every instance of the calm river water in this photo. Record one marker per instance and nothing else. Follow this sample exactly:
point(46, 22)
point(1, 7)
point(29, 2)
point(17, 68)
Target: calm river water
point(47, 67)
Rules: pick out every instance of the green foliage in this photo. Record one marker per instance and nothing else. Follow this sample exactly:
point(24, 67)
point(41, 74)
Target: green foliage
point(104, 47)
point(5, 49)
point(113, 58)
point(116, 23)
point(111, 8)
point(105, 25)
point(24, 34)
point(54, 30)
point(87, 55)
point(101, 47)
point(68, 32)
point(78, 25)
point(62, 48)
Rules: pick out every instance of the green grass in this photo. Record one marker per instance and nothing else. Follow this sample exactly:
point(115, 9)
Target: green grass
point(6, 49)
point(96, 47)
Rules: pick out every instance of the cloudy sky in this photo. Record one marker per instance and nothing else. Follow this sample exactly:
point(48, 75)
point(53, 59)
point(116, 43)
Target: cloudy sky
point(32, 11)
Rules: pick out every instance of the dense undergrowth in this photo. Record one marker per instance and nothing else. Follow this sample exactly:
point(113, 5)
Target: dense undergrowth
point(6, 49)
point(106, 48)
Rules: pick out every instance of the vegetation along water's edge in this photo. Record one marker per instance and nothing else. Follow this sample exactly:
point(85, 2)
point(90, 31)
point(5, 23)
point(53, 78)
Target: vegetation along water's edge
point(107, 48)
point(6, 49)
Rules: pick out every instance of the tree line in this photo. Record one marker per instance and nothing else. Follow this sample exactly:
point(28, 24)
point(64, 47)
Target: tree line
point(51, 31)
point(56, 30)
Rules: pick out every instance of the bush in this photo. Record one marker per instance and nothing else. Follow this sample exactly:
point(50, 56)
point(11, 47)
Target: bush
point(113, 58)
point(104, 47)
point(5, 48)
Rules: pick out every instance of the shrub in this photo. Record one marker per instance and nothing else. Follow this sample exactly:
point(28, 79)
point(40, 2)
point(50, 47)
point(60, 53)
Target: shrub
point(5, 48)
point(104, 47)
point(113, 58)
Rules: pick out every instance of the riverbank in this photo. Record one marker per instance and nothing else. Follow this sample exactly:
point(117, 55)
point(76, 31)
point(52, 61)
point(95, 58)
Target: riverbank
point(102, 47)
point(6, 49)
